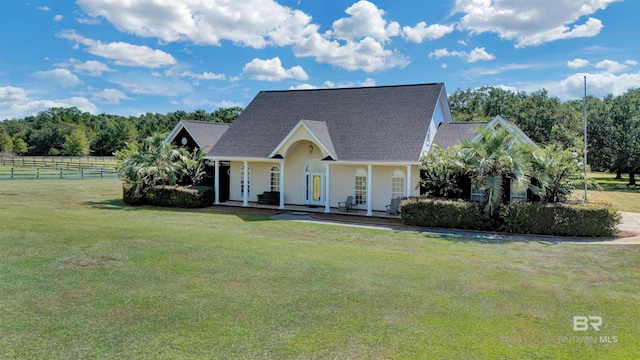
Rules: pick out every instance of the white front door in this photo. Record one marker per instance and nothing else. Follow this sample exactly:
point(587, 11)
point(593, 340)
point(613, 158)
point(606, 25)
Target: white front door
point(315, 186)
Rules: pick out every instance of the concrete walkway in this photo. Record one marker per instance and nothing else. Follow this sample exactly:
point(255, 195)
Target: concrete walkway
point(630, 223)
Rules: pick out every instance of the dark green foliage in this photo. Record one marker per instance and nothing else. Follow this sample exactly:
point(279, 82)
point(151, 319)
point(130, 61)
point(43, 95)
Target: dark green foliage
point(519, 217)
point(58, 130)
point(153, 170)
point(441, 172)
point(169, 196)
point(445, 214)
point(583, 219)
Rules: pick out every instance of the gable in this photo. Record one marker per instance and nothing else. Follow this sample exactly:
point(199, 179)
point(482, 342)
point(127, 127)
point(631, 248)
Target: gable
point(199, 134)
point(310, 131)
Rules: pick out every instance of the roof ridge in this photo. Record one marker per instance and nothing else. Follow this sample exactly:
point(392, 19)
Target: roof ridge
point(354, 87)
point(206, 122)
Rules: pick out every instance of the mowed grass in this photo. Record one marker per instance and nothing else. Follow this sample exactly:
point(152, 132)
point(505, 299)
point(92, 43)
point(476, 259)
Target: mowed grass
point(83, 276)
point(623, 197)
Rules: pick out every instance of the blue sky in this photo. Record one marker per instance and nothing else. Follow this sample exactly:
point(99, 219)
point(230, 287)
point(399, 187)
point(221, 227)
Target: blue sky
point(129, 57)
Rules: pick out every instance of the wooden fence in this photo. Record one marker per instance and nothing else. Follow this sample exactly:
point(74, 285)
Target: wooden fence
point(31, 173)
point(58, 167)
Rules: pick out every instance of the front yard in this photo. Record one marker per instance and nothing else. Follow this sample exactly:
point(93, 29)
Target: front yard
point(83, 276)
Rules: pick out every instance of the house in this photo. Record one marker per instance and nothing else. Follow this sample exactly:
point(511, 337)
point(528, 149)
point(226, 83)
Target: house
point(317, 147)
point(450, 134)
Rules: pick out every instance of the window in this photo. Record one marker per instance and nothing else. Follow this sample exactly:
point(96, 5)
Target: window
point(477, 194)
point(518, 191)
point(398, 185)
point(275, 178)
point(361, 187)
point(242, 182)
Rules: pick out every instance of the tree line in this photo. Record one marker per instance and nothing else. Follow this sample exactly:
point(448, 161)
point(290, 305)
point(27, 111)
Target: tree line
point(613, 130)
point(69, 131)
point(613, 125)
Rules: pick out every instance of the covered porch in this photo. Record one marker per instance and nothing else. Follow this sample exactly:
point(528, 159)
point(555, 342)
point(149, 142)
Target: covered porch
point(312, 209)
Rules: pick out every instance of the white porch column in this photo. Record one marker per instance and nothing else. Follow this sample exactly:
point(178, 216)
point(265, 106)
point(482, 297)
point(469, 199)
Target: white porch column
point(369, 212)
point(408, 180)
point(327, 202)
point(281, 184)
point(216, 183)
point(245, 194)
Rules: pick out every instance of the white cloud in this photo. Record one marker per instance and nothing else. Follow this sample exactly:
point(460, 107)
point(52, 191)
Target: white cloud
point(88, 21)
point(365, 21)
point(367, 54)
point(58, 18)
point(254, 23)
point(421, 31)
point(61, 77)
point(109, 96)
point(147, 84)
point(272, 70)
point(354, 43)
point(462, 42)
point(483, 71)
point(368, 82)
point(631, 62)
point(89, 67)
point(531, 23)
point(577, 63)
point(122, 53)
point(204, 76)
point(598, 85)
point(31, 107)
point(10, 94)
point(477, 54)
point(303, 87)
point(227, 104)
point(43, 8)
point(611, 66)
point(444, 65)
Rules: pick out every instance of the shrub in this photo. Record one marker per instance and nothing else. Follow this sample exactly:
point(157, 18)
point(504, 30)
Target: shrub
point(445, 214)
point(581, 219)
point(170, 196)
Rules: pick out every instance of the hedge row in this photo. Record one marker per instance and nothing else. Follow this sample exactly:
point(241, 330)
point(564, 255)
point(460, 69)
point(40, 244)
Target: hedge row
point(445, 214)
point(583, 220)
point(169, 196)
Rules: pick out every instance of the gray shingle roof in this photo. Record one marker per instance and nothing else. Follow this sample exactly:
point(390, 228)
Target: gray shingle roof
point(206, 134)
point(450, 134)
point(320, 130)
point(386, 123)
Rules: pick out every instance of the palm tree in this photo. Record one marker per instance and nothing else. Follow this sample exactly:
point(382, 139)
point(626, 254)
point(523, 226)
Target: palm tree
point(155, 162)
point(556, 171)
point(499, 155)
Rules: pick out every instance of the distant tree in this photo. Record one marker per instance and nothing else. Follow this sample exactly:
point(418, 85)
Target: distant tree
point(19, 146)
point(76, 143)
point(226, 115)
point(6, 144)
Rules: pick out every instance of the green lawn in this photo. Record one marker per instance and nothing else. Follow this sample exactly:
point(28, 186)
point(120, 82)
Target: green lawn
point(82, 276)
point(624, 198)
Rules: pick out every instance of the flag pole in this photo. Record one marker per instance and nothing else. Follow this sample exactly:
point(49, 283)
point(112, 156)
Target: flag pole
point(585, 138)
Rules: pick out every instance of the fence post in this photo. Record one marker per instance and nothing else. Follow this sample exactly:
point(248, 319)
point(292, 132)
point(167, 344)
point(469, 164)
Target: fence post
point(81, 173)
point(38, 173)
point(12, 173)
point(60, 173)
point(100, 174)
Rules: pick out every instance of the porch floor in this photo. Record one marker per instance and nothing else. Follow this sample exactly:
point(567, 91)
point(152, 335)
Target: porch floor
point(311, 209)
